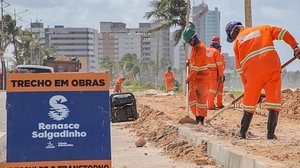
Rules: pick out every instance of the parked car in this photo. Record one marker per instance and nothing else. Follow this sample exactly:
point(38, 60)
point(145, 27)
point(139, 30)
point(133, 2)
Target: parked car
point(33, 69)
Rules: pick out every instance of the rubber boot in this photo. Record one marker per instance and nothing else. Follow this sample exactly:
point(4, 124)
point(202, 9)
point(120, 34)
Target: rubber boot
point(200, 120)
point(246, 120)
point(272, 123)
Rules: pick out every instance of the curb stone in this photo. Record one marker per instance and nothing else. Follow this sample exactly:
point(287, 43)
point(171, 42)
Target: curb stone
point(226, 154)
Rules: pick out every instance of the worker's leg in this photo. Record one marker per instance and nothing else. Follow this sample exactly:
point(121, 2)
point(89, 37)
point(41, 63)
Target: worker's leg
point(212, 89)
point(192, 98)
point(201, 96)
point(169, 86)
point(220, 96)
point(252, 92)
point(273, 102)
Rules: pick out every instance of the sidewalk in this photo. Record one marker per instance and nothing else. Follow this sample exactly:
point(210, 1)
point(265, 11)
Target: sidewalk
point(126, 155)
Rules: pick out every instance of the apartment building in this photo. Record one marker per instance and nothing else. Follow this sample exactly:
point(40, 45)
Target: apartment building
point(81, 43)
point(115, 40)
point(208, 25)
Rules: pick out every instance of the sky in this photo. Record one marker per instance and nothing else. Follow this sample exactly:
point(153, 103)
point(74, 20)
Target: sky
point(89, 13)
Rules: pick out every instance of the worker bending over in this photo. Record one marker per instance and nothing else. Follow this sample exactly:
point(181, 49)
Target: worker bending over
point(118, 84)
point(259, 66)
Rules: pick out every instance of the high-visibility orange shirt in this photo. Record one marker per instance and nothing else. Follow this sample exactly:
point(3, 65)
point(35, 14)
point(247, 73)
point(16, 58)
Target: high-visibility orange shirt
point(223, 64)
point(198, 62)
point(251, 42)
point(214, 60)
point(119, 81)
point(169, 76)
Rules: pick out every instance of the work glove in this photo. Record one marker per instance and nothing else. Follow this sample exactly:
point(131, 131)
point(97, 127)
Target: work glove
point(221, 78)
point(187, 62)
point(297, 52)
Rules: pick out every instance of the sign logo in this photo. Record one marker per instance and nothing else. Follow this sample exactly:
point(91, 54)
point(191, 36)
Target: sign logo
point(58, 111)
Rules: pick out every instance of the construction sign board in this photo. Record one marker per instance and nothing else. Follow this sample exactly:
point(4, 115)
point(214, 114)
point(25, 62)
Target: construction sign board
point(58, 120)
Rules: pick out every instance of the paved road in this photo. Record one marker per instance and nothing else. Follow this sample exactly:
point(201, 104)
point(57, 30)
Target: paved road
point(2, 125)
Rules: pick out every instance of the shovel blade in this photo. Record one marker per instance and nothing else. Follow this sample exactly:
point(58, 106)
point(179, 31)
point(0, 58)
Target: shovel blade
point(187, 120)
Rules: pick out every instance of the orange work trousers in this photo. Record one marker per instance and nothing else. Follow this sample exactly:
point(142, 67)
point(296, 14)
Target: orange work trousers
point(266, 74)
point(169, 86)
point(198, 96)
point(212, 88)
point(118, 88)
point(220, 95)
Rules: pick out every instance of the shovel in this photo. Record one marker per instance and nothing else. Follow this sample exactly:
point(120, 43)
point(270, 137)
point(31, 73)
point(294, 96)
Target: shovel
point(241, 96)
point(187, 119)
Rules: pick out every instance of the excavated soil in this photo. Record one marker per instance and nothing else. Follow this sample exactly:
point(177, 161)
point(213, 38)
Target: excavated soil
point(155, 126)
point(158, 112)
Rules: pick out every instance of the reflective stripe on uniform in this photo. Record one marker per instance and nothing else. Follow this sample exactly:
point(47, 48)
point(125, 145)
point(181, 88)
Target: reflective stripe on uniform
point(198, 68)
point(281, 34)
point(273, 105)
point(239, 70)
point(249, 108)
point(192, 103)
point(201, 105)
point(212, 91)
point(219, 63)
point(249, 36)
point(256, 52)
point(211, 65)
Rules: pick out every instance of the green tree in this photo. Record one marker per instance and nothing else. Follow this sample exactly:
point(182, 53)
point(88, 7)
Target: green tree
point(169, 13)
point(107, 64)
point(129, 65)
point(13, 33)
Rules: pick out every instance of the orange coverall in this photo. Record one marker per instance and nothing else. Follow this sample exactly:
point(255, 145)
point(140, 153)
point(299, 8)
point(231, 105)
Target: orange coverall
point(169, 80)
point(118, 85)
point(215, 68)
point(259, 64)
point(198, 80)
point(221, 84)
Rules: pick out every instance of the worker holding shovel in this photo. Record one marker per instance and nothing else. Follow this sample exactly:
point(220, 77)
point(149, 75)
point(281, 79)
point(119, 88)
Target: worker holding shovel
point(259, 66)
point(197, 78)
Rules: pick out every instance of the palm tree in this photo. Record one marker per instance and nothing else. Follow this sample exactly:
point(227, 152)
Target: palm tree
point(129, 64)
point(169, 13)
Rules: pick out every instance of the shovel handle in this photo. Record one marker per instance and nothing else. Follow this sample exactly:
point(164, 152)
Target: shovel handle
point(241, 96)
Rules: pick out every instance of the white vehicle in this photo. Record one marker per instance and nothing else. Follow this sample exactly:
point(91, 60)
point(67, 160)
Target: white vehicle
point(33, 69)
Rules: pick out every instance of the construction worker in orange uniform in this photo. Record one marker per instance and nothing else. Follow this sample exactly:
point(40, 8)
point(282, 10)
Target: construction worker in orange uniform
point(259, 66)
point(216, 43)
point(169, 80)
point(118, 84)
point(198, 76)
point(215, 68)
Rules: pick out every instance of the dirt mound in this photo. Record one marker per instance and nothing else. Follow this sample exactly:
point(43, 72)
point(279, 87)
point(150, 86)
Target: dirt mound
point(156, 127)
point(291, 103)
point(223, 128)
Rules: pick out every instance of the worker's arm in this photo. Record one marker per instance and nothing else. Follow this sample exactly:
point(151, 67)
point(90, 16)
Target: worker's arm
point(282, 34)
point(219, 63)
point(237, 63)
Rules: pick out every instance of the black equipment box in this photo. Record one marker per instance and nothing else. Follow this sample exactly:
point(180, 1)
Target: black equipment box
point(123, 107)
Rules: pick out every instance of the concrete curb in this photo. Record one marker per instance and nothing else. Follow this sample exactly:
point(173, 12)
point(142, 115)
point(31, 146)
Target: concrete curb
point(226, 154)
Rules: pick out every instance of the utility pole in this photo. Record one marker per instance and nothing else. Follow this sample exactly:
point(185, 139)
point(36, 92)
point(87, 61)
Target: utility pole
point(157, 61)
point(186, 48)
point(248, 14)
point(3, 82)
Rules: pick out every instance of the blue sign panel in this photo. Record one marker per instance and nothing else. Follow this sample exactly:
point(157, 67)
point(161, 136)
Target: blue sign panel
point(58, 126)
